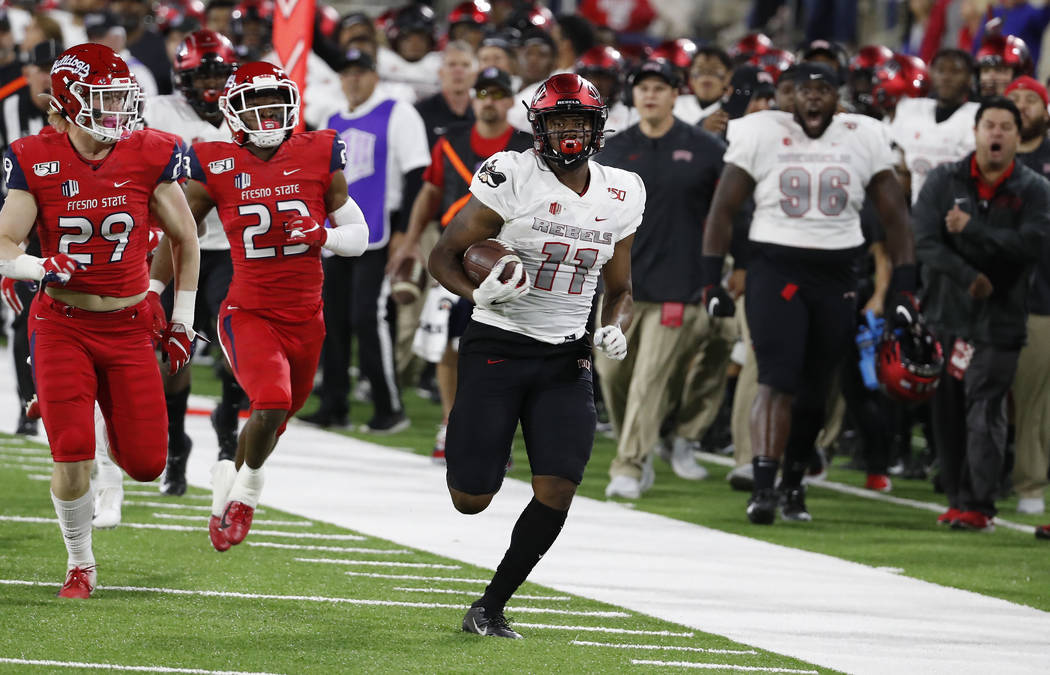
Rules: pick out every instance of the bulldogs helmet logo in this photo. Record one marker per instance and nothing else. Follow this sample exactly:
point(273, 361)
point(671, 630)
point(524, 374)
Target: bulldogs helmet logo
point(489, 176)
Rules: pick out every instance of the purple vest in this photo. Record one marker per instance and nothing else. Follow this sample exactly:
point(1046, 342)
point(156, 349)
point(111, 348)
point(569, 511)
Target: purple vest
point(366, 157)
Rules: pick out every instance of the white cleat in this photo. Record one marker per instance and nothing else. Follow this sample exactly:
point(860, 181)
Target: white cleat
point(1031, 505)
point(684, 462)
point(625, 487)
point(108, 503)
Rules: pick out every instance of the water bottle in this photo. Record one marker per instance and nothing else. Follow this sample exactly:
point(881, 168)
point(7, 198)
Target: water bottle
point(868, 335)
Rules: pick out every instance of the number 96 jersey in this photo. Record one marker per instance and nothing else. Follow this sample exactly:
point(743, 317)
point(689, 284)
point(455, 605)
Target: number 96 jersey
point(254, 199)
point(96, 211)
point(808, 191)
point(563, 238)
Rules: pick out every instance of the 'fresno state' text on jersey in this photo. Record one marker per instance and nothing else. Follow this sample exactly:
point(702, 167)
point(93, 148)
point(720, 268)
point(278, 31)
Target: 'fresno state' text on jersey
point(808, 191)
point(563, 238)
point(255, 198)
point(97, 212)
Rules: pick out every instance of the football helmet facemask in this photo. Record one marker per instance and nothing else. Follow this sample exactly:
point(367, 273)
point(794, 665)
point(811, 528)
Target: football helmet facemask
point(271, 122)
point(567, 94)
point(92, 87)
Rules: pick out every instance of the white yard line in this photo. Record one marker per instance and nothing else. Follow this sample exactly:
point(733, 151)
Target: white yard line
point(674, 648)
point(453, 591)
point(115, 666)
point(25, 457)
point(171, 505)
point(720, 666)
point(331, 549)
point(410, 577)
point(379, 563)
point(600, 629)
point(255, 521)
point(20, 467)
point(156, 493)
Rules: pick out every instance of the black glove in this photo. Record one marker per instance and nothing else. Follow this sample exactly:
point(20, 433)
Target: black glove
point(902, 306)
point(716, 299)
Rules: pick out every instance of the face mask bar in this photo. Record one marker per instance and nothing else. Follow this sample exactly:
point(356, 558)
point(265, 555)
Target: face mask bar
point(268, 132)
point(555, 149)
point(109, 112)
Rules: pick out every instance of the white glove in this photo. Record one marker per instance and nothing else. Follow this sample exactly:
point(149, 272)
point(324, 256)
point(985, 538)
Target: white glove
point(611, 341)
point(492, 291)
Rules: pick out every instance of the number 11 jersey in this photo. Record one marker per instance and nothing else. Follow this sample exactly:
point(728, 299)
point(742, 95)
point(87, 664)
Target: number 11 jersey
point(254, 199)
point(808, 191)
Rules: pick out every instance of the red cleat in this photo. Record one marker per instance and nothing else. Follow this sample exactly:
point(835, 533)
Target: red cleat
point(33, 408)
point(217, 536)
point(1042, 532)
point(236, 521)
point(975, 521)
point(879, 482)
point(948, 516)
point(79, 583)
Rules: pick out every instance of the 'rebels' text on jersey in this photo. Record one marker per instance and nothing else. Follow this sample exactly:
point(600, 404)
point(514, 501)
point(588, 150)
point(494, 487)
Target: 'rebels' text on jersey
point(97, 212)
point(254, 199)
point(563, 238)
point(808, 191)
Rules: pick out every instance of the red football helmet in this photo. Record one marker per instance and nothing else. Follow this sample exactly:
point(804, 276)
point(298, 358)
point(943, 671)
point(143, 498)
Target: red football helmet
point(869, 58)
point(909, 364)
point(474, 12)
point(92, 87)
point(749, 45)
point(273, 121)
point(410, 19)
point(252, 26)
point(203, 54)
point(570, 94)
point(602, 60)
point(678, 52)
point(1009, 50)
point(773, 61)
point(903, 76)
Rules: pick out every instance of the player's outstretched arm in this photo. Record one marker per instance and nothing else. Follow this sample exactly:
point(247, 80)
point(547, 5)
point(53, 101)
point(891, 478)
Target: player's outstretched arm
point(734, 187)
point(474, 222)
point(16, 220)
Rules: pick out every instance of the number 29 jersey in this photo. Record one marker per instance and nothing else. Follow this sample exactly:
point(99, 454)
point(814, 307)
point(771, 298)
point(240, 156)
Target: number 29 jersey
point(96, 211)
point(808, 191)
point(563, 238)
point(254, 199)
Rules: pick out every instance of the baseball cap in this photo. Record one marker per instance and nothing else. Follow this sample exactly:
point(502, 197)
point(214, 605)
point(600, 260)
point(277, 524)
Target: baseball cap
point(809, 71)
point(98, 24)
point(1031, 84)
point(656, 68)
point(494, 77)
point(43, 54)
point(358, 58)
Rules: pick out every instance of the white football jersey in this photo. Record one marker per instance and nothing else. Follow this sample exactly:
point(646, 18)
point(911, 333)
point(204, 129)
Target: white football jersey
point(563, 238)
point(927, 144)
point(808, 191)
point(173, 113)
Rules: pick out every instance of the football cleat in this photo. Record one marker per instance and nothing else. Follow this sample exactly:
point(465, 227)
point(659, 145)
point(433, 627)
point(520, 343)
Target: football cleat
point(496, 625)
point(626, 487)
point(794, 507)
point(683, 461)
point(438, 455)
point(225, 431)
point(108, 502)
point(217, 536)
point(383, 425)
point(975, 521)
point(236, 521)
point(762, 507)
point(742, 478)
point(948, 516)
point(1042, 532)
point(173, 483)
point(878, 482)
point(80, 582)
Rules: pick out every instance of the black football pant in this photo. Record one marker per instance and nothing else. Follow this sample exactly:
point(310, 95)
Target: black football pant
point(357, 303)
point(20, 345)
point(969, 426)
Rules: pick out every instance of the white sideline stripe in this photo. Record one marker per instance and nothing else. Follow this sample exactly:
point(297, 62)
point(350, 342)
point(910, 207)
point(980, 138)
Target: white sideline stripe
point(315, 598)
point(172, 505)
point(601, 629)
point(877, 496)
point(453, 591)
point(378, 563)
point(21, 467)
point(677, 648)
point(256, 521)
point(114, 666)
point(411, 577)
point(188, 528)
point(41, 459)
point(155, 494)
point(721, 666)
point(38, 476)
point(333, 549)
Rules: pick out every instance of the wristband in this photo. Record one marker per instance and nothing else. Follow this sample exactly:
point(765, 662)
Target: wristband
point(25, 268)
point(182, 312)
point(157, 286)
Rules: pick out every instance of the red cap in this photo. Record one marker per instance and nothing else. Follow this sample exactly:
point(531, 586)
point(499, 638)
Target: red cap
point(1031, 84)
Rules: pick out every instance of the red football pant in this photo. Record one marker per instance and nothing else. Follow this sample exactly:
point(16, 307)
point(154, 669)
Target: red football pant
point(80, 357)
point(274, 359)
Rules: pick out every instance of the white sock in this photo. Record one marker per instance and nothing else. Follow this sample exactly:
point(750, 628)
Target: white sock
point(74, 519)
point(247, 487)
point(223, 473)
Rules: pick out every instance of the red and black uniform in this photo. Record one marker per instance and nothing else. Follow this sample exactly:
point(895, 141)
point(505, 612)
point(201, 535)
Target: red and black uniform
point(98, 213)
point(270, 325)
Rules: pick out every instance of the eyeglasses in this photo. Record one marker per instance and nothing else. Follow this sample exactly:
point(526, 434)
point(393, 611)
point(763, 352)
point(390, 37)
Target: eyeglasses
point(494, 94)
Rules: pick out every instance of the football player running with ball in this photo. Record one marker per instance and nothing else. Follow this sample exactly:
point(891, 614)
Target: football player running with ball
point(92, 187)
point(525, 356)
point(809, 172)
point(273, 191)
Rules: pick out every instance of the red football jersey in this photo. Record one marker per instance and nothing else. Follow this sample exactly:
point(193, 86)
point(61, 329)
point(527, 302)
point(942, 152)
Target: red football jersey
point(96, 211)
point(255, 198)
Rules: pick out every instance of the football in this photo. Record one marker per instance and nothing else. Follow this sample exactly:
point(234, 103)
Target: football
point(482, 256)
point(407, 282)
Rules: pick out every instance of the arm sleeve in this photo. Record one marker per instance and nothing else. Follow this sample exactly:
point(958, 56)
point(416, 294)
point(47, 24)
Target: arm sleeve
point(14, 179)
point(927, 219)
point(495, 184)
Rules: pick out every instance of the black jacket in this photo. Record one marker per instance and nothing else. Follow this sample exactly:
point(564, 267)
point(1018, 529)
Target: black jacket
point(1002, 239)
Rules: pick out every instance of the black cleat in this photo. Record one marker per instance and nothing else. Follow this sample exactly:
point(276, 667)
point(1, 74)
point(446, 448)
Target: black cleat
point(794, 507)
point(26, 426)
point(173, 482)
point(762, 507)
point(224, 422)
point(324, 420)
point(496, 625)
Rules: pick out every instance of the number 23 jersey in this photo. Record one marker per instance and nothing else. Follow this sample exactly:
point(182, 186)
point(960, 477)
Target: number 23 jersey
point(563, 238)
point(808, 191)
point(254, 199)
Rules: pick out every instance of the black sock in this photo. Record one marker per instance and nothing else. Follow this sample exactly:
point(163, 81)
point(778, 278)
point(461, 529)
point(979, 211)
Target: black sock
point(765, 471)
point(534, 533)
point(230, 402)
point(801, 444)
point(176, 404)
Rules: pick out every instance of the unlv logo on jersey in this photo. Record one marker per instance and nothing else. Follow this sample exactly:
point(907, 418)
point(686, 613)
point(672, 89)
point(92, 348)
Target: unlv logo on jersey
point(70, 188)
point(221, 166)
point(555, 208)
point(489, 176)
point(45, 168)
point(617, 194)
